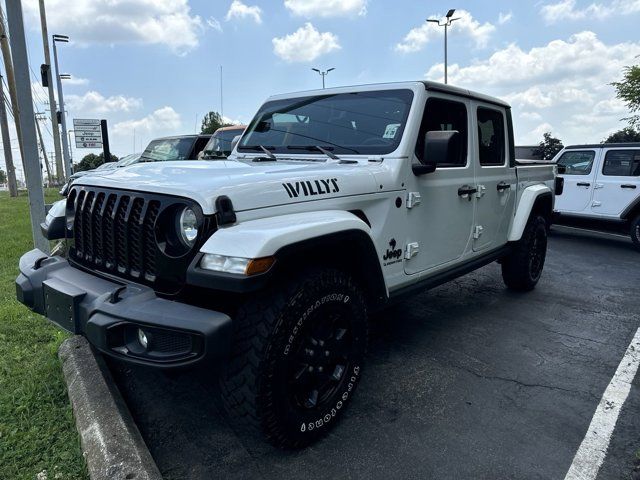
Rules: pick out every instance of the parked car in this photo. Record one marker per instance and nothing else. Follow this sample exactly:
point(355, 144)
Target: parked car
point(183, 147)
point(222, 141)
point(601, 187)
point(337, 202)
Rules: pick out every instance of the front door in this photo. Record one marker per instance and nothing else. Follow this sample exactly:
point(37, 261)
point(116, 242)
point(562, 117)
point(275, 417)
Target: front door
point(617, 182)
point(441, 223)
point(578, 181)
point(495, 179)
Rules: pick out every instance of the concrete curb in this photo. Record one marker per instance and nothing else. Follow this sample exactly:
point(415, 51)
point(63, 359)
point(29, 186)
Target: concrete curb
point(111, 443)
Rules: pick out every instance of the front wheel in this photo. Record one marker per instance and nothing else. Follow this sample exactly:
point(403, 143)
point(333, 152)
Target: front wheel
point(522, 268)
point(635, 231)
point(297, 357)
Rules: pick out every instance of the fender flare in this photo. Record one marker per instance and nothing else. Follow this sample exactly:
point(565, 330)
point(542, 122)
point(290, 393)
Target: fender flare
point(526, 205)
point(293, 239)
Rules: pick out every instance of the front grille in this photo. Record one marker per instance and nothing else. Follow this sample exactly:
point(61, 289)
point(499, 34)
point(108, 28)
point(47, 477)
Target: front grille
point(115, 232)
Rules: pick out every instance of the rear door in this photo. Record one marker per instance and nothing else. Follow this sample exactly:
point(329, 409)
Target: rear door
point(617, 182)
point(578, 181)
point(495, 178)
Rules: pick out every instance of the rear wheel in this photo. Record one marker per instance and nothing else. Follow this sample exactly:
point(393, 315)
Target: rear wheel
point(635, 231)
point(297, 357)
point(522, 268)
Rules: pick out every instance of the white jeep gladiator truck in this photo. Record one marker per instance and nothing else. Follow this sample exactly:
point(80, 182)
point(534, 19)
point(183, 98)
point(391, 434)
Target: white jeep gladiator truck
point(602, 187)
point(268, 264)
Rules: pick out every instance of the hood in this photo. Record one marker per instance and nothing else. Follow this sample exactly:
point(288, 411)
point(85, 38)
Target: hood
point(249, 185)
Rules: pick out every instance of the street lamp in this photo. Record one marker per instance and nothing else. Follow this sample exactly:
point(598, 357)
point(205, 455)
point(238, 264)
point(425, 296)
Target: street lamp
point(322, 74)
point(63, 119)
point(446, 24)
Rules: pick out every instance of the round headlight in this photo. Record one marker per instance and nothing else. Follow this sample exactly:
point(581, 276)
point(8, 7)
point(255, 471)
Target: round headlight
point(188, 226)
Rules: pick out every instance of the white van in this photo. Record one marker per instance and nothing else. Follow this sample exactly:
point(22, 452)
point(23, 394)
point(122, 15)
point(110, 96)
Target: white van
point(601, 186)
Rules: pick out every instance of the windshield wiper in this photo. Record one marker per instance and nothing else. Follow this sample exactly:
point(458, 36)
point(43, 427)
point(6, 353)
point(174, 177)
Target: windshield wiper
point(266, 150)
point(315, 148)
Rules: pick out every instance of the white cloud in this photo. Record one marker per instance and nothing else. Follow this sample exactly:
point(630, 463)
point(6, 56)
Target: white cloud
point(214, 23)
point(163, 121)
point(92, 103)
point(164, 22)
point(305, 44)
point(504, 17)
point(564, 84)
point(76, 81)
point(241, 11)
point(467, 26)
point(326, 8)
point(566, 10)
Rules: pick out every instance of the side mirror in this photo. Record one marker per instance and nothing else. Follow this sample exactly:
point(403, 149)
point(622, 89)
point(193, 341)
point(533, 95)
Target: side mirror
point(562, 169)
point(441, 147)
point(235, 141)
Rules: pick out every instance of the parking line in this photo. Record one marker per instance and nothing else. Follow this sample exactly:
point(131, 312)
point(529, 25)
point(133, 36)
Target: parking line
point(593, 449)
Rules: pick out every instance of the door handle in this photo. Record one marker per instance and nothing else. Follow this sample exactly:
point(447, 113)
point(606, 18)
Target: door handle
point(626, 185)
point(583, 184)
point(465, 190)
point(502, 186)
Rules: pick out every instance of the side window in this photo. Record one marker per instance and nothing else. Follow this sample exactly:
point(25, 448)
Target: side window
point(622, 163)
point(577, 162)
point(491, 141)
point(441, 115)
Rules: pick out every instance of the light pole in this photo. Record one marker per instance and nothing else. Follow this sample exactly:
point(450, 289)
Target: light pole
point(63, 119)
point(446, 24)
point(322, 74)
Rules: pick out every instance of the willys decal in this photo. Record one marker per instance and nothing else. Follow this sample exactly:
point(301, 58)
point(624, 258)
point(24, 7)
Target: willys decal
point(309, 188)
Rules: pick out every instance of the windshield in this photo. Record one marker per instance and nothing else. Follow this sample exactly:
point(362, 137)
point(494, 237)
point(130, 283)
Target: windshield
point(128, 160)
point(220, 143)
point(359, 122)
point(166, 149)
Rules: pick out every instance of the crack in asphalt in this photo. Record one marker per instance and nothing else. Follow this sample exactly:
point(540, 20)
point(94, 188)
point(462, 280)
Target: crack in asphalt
point(523, 384)
point(583, 338)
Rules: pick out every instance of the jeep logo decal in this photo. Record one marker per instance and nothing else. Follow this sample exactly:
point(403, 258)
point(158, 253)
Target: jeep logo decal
point(310, 188)
point(392, 255)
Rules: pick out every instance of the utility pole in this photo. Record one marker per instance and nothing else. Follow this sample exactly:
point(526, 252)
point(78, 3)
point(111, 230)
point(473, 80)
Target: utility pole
point(446, 24)
point(52, 98)
point(44, 151)
point(6, 143)
point(322, 74)
point(221, 105)
point(25, 118)
point(11, 80)
point(63, 113)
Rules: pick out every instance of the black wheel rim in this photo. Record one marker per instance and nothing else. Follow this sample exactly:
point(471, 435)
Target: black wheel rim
point(322, 359)
point(537, 254)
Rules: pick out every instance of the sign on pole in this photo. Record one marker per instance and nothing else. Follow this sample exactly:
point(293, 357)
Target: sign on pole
point(88, 133)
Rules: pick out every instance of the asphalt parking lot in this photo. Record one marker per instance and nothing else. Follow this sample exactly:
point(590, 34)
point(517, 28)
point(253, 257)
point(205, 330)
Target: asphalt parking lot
point(464, 381)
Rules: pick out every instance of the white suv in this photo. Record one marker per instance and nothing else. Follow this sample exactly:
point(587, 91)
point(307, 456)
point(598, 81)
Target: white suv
point(601, 187)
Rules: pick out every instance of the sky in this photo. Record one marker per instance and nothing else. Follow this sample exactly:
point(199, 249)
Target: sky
point(152, 67)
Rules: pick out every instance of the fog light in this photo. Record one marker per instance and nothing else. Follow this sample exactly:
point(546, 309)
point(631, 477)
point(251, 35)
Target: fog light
point(142, 338)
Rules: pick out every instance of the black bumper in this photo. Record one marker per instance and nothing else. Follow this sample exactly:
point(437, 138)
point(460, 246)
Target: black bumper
point(111, 314)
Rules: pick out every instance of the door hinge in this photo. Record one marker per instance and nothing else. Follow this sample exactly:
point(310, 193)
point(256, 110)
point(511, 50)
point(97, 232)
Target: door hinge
point(480, 191)
point(477, 231)
point(411, 250)
point(413, 199)
point(596, 204)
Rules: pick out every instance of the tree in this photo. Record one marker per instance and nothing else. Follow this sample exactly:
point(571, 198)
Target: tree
point(91, 161)
point(548, 147)
point(628, 134)
point(3, 177)
point(628, 90)
point(211, 122)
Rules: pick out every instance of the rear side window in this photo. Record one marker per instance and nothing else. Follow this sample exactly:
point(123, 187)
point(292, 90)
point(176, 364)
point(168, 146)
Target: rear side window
point(442, 115)
point(491, 142)
point(577, 162)
point(622, 163)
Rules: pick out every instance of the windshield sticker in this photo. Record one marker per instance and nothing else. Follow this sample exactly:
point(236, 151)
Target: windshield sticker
point(391, 130)
point(310, 188)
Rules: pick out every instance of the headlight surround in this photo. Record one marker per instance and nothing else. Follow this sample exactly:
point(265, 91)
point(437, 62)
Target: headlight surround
point(188, 227)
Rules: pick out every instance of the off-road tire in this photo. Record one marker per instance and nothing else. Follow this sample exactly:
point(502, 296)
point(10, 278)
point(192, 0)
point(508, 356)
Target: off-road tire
point(634, 230)
point(522, 268)
point(271, 332)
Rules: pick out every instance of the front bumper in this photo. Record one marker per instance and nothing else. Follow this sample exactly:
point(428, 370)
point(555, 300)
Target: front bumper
point(111, 314)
